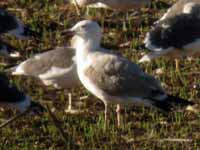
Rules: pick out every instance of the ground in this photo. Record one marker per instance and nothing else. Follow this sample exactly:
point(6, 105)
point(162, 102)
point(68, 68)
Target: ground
point(142, 128)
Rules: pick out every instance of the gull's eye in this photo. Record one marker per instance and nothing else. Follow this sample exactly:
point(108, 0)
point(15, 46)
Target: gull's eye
point(83, 26)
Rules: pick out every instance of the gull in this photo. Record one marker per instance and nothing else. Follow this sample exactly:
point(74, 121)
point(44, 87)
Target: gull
point(12, 25)
point(180, 7)
point(122, 5)
point(117, 5)
point(176, 34)
point(113, 78)
point(55, 68)
point(13, 98)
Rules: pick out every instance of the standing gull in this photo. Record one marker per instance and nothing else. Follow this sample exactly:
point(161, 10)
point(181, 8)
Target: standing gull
point(55, 67)
point(113, 78)
point(175, 35)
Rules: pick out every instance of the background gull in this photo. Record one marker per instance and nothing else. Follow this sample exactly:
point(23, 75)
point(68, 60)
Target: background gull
point(12, 25)
point(113, 78)
point(117, 5)
point(55, 67)
point(10, 96)
point(122, 5)
point(179, 8)
point(175, 36)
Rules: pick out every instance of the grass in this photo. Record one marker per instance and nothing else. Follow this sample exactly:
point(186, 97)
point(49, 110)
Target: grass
point(142, 128)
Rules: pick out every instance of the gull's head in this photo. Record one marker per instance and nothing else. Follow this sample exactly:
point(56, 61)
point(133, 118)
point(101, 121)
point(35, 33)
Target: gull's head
point(87, 30)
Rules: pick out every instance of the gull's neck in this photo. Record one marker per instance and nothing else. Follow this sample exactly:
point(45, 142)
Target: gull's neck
point(84, 46)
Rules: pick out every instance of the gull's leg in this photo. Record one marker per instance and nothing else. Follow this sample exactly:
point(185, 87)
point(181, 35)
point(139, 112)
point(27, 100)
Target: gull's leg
point(106, 115)
point(177, 65)
point(77, 8)
point(126, 16)
point(70, 101)
point(118, 109)
point(69, 109)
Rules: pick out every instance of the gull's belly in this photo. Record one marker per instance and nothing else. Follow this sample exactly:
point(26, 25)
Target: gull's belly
point(90, 86)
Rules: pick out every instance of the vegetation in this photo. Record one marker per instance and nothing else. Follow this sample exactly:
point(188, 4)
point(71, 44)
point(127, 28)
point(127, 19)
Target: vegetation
point(142, 128)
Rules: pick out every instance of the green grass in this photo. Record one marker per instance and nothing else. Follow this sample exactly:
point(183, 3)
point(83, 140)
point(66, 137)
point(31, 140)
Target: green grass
point(142, 128)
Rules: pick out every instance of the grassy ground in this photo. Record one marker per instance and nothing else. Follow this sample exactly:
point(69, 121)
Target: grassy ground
point(142, 128)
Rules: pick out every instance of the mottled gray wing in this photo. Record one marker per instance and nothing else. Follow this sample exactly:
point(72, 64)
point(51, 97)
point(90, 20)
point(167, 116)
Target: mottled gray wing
point(62, 57)
point(119, 77)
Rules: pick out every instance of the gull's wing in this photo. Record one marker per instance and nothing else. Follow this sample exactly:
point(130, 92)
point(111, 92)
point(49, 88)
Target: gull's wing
point(59, 58)
point(180, 32)
point(118, 76)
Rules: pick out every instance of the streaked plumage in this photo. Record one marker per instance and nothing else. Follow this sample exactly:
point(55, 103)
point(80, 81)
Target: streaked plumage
point(113, 78)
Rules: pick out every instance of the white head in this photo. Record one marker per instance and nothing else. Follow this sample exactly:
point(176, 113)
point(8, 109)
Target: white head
point(87, 31)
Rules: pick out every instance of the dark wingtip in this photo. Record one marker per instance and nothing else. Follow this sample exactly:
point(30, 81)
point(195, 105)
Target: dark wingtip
point(179, 101)
point(170, 102)
point(163, 105)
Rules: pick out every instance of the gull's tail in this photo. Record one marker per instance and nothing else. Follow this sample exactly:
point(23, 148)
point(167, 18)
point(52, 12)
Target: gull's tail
point(170, 102)
point(179, 101)
point(11, 69)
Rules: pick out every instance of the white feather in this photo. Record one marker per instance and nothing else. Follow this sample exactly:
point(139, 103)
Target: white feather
point(19, 70)
point(153, 55)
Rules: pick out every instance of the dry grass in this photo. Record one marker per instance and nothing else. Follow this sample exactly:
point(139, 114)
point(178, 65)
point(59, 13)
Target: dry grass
point(142, 128)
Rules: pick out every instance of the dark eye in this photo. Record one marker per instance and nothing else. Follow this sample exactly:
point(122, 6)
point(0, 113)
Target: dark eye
point(83, 26)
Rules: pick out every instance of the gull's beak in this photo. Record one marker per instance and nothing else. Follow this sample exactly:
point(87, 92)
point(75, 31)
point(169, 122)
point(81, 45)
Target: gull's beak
point(68, 33)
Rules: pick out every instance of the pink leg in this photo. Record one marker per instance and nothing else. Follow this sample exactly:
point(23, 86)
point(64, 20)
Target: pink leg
point(118, 109)
point(106, 115)
point(70, 101)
